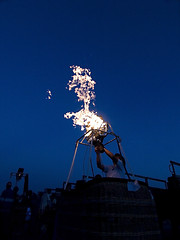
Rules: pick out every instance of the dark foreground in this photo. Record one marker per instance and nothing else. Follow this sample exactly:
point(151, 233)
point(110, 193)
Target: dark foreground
point(99, 209)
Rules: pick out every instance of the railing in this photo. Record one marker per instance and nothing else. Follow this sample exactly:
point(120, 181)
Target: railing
point(172, 163)
point(146, 179)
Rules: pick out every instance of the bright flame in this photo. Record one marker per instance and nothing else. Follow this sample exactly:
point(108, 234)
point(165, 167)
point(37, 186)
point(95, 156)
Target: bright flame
point(49, 93)
point(83, 84)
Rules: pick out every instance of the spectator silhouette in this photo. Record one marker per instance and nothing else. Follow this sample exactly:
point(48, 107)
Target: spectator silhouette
point(7, 200)
point(16, 195)
point(8, 192)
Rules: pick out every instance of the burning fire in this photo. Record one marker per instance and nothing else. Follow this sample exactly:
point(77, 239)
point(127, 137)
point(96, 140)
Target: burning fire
point(84, 86)
point(49, 94)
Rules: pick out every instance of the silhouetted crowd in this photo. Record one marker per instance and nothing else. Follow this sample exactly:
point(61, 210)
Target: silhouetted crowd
point(27, 216)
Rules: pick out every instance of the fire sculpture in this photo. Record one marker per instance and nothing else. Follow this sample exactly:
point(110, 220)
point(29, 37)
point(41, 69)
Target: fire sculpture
point(96, 129)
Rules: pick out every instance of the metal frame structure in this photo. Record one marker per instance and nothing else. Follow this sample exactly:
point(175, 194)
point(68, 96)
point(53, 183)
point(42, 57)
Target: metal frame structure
point(87, 140)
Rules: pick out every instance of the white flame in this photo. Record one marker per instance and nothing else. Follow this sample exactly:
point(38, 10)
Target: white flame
point(83, 84)
point(49, 94)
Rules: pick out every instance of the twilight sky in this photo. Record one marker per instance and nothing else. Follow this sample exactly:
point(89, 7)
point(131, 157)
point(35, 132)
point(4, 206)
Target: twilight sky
point(133, 51)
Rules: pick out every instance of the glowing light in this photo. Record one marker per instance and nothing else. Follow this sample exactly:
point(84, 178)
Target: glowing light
point(83, 86)
point(49, 94)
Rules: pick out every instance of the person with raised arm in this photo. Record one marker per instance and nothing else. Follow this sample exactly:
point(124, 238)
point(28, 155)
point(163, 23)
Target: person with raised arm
point(117, 169)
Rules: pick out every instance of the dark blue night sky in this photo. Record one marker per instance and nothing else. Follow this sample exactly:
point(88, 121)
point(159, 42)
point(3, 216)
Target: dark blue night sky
point(133, 51)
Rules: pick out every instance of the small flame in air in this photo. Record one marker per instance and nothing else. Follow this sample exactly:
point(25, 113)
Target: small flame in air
point(49, 94)
point(83, 86)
